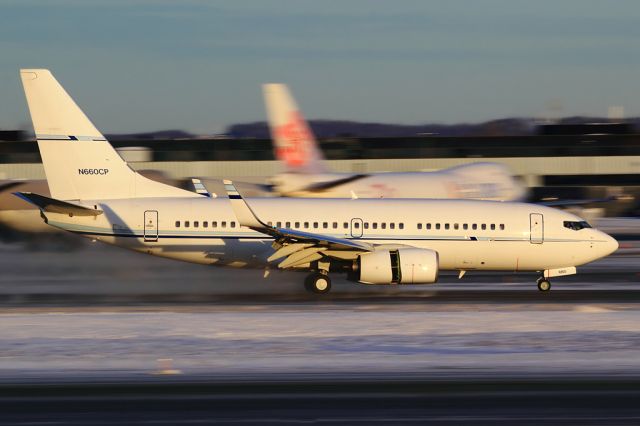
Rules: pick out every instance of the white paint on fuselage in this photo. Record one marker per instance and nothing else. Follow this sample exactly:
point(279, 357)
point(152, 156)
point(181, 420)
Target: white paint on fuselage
point(478, 181)
point(509, 249)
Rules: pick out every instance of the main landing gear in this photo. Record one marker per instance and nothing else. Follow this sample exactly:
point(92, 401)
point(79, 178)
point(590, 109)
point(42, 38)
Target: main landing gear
point(318, 282)
point(544, 284)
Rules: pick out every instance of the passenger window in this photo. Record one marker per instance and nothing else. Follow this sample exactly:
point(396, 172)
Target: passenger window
point(306, 225)
point(474, 226)
point(335, 225)
point(186, 224)
point(465, 226)
point(196, 224)
point(502, 226)
point(493, 226)
point(455, 226)
point(484, 226)
point(437, 226)
point(270, 223)
point(287, 225)
point(315, 225)
point(325, 225)
point(214, 224)
point(356, 225)
point(177, 224)
point(419, 226)
point(345, 225)
point(223, 224)
point(446, 226)
point(375, 225)
point(392, 225)
point(401, 225)
point(297, 224)
point(428, 226)
point(278, 225)
point(233, 224)
point(366, 225)
point(205, 224)
point(383, 225)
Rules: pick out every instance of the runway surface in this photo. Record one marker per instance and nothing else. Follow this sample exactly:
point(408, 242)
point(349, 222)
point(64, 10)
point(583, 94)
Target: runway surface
point(99, 274)
point(340, 401)
point(103, 336)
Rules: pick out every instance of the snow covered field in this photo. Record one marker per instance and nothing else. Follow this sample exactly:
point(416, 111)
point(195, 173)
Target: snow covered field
point(316, 339)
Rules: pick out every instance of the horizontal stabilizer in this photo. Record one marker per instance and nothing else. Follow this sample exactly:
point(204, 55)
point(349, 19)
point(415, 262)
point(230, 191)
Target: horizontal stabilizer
point(52, 205)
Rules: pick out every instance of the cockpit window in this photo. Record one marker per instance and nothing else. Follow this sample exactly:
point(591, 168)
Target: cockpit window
point(577, 225)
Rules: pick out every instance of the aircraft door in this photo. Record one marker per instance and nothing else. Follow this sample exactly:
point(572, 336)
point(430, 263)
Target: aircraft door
point(357, 227)
point(536, 221)
point(151, 225)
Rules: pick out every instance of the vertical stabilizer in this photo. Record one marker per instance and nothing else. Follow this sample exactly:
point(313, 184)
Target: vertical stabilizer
point(294, 142)
point(78, 161)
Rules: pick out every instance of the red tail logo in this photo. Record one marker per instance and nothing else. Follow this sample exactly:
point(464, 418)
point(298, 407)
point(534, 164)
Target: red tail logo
point(296, 136)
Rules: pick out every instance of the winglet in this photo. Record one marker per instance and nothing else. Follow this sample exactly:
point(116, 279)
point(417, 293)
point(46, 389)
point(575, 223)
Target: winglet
point(244, 214)
point(199, 187)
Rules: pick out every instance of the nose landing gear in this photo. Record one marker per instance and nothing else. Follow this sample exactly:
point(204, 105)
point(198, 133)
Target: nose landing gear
point(318, 282)
point(544, 284)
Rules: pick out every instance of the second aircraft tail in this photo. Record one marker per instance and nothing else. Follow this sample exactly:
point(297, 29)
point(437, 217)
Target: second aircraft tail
point(293, 140)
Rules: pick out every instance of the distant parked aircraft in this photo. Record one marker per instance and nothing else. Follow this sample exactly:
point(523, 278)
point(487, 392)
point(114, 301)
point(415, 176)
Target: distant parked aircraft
point(306, 176)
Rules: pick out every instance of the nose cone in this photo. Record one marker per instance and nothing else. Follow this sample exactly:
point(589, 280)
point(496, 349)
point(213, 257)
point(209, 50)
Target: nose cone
point(609, 245)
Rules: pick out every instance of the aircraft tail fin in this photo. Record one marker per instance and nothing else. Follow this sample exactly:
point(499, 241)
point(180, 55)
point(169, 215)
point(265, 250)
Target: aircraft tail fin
point(294, 143)
point(78, 161)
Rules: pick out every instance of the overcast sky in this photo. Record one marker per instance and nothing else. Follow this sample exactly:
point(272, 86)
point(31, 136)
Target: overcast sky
point(142, 65)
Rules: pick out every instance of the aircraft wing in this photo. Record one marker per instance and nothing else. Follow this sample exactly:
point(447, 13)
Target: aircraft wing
point(324, 186)
point(10, 184)
point(297, 247)
point(52, 205)
point(568, 203)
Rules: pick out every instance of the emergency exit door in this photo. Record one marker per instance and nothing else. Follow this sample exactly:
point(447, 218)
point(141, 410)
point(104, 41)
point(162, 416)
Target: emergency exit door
point(536, 221)
point(151, 225)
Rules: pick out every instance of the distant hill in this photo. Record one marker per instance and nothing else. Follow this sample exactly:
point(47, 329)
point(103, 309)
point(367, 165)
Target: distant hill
point(325, 129)
point(161, 134)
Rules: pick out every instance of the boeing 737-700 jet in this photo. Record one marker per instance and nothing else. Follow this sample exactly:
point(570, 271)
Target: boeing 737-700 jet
point(375, 241)
point(306, 176)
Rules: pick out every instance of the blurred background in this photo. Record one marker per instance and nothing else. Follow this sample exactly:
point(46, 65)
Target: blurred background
point(549, 89)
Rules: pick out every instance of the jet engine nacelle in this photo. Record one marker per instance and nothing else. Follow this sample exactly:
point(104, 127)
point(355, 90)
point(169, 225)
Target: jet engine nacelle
point(399, 266)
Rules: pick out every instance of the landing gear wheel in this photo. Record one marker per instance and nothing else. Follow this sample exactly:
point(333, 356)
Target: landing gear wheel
point(318, 283)
point(544, 284)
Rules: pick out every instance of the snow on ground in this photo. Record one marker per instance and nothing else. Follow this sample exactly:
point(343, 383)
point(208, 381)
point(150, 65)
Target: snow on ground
point(319, 339)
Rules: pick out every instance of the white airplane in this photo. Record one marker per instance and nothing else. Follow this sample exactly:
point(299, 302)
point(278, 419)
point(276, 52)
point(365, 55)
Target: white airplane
point(306, 176)
point(376, 241)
